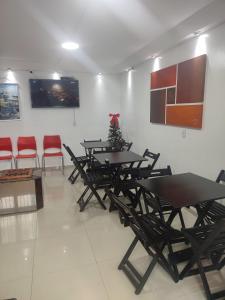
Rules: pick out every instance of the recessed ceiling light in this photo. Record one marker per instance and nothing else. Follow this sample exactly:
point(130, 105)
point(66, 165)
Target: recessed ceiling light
point(70, 46)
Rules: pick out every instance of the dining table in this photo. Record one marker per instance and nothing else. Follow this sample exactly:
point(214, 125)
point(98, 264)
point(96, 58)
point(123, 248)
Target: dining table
point(184, 190)
point(115, 161)
point(118, 158)
point(92, 145)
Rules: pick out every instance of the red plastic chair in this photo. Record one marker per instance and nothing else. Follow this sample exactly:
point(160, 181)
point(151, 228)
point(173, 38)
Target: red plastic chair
point(27, 143)
point(52, 142)
point(6, 146)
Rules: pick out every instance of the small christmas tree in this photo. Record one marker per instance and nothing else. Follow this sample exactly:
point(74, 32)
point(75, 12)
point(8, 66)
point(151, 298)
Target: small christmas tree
point(115, 134)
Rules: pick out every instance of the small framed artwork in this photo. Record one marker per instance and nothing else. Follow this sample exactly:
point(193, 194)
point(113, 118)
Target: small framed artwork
point(9, 101)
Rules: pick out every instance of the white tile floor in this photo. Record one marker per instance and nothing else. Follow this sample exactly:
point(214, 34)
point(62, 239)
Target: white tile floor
point(59, 253)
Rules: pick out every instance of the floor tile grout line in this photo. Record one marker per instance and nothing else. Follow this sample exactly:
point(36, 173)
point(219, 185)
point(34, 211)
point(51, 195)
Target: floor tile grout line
point(32, 276)
point(97, 265)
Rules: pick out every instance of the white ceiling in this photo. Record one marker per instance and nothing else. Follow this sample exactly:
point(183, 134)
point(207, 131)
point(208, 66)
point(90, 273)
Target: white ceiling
point(113, 34)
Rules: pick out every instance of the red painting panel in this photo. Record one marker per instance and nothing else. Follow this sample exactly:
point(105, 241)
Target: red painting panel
point(157, 109)
point(191, 80)
point(185, 115)
point(164, 77)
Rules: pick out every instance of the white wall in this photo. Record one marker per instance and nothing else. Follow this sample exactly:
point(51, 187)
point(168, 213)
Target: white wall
point(201, 151)
point(97, 99)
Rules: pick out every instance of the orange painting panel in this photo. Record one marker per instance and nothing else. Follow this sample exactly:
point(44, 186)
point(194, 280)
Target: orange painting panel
point(184, 115)
point(164, 77)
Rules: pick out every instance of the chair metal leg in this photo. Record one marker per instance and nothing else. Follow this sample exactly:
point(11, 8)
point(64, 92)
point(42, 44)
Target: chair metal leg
point(43, 164)
point(63, 165)
point(38, 161)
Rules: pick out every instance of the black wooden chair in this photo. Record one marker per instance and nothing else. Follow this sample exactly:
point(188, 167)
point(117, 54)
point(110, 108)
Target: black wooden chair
point(152, 158)
point(208, 249)
point(210, 212)
point(127, 146)
point(157, 239)
point(160, 206)
point(83, 160)
point(87, 151)
point(93, 180)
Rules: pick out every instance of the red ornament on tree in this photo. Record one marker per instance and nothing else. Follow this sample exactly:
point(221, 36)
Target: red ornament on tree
point(115, 120)
point(115, 134)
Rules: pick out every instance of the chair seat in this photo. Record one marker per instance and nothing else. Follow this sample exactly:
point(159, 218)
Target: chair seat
point(98, 178)
point(6, 157)
point(21, 156)
point(53, 154)
point(216, 211)
point(83, 159)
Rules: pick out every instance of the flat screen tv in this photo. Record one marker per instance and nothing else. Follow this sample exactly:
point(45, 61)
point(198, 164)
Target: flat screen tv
point(54, 93)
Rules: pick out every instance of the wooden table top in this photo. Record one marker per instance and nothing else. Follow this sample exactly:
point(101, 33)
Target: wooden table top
point(184, 190)
point(97, 144)
point(118, 158)
point(35, 173)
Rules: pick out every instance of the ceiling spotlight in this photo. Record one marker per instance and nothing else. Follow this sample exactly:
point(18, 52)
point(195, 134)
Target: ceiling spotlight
point(130, 69)
point(197, 33)
point(99, 74)
point(70, 46)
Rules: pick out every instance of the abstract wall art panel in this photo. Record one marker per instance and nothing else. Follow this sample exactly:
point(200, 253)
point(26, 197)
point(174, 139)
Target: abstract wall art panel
point(158, 102)
point(163, 78)
point(191, 80)
point(185, 115)
point(177, 94)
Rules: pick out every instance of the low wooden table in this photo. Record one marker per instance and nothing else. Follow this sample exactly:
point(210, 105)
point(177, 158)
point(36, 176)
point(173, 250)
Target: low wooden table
point(20, 191)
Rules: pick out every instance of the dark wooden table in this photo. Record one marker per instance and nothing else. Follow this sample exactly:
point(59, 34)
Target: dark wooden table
point(96, 145)
point(184, 190)
point(118, 158)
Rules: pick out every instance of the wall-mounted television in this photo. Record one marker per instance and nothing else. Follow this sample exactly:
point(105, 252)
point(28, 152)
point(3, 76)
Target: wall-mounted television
point(54, 93)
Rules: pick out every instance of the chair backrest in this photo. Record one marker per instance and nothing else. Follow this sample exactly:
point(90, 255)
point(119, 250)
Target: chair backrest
point(86, 150)
point(127, 146)
point(152, 156)
point(68, 150)
point(208, 238)
point(221, 177)
point(99, 140)
point(150, 230)
point(5, 144)
point(76, 162)
point(52, 141)
point(161, 172)
point(26, 143)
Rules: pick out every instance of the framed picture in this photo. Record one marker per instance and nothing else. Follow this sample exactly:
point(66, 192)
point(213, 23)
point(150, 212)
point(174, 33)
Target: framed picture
point(9, 101)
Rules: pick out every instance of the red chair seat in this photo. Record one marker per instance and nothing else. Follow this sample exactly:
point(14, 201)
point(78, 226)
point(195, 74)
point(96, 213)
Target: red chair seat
point(20, 156)
point(6, 157)
point(53, 154)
